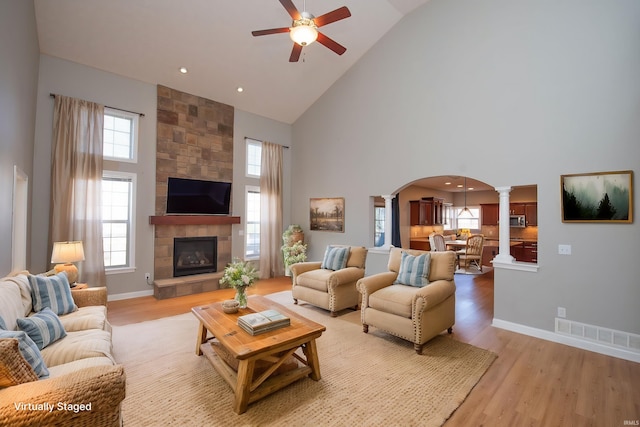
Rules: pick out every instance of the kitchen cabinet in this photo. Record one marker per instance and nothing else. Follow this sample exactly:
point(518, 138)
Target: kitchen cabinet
point(516, 208)
point(421, 245)
point(530, 252)
point(427, 211)
point(531, 214)
point(490, 213)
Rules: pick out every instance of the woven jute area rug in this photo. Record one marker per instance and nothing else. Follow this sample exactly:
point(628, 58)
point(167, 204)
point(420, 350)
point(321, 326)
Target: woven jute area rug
point(367, 379)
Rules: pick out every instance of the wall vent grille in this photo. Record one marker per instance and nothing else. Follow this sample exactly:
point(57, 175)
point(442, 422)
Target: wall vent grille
point(598, 334)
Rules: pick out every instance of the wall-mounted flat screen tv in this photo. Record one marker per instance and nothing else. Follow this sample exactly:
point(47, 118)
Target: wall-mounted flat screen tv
point(195, 196)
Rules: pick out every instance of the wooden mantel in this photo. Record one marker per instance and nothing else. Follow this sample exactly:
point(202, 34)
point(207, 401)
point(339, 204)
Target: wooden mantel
point(193, 220)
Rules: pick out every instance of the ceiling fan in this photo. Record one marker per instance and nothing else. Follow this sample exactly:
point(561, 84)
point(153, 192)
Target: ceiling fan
point(304, 29)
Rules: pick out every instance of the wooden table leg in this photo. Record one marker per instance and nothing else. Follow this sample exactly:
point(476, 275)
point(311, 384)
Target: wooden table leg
point(202, 338)
point(311, 351)
point(243, 386)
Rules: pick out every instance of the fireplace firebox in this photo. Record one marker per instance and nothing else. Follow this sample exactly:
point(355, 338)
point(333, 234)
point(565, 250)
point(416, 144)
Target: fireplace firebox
point(195, 255)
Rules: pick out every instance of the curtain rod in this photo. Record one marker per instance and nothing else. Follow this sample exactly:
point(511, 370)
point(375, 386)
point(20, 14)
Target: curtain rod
point(53, 95)
point(256, 139)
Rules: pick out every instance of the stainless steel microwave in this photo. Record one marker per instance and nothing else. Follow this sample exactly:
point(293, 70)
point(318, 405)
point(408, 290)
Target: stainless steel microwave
point(517, 221)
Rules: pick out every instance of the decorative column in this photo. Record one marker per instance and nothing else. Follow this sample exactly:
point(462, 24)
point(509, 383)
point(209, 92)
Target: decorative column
point(504, 250)
point(388, 216)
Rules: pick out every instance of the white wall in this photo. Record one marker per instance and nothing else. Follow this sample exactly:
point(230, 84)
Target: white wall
point(18, 85)
point(509, 93)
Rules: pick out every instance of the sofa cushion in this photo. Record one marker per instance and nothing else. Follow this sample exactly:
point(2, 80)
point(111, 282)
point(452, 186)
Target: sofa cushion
point(76, 365)
point(335, 257)
point(79, 345)
point(29, 351)
point(53, 292)
point(394, 299)
point(414, 270)
point(43, 327)
point(14, 369)
point(90, 317)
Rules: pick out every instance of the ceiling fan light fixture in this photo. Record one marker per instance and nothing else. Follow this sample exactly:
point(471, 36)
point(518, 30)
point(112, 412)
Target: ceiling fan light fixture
point(303, 32)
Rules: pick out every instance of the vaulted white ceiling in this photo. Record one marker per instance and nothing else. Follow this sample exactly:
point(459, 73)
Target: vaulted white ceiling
point(149, 40)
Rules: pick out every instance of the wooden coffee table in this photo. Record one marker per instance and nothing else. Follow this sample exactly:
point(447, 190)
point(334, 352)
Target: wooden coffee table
point(236, 354)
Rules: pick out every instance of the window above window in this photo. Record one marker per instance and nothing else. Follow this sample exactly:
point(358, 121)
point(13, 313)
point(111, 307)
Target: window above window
point(254, 158)
point(120, 137)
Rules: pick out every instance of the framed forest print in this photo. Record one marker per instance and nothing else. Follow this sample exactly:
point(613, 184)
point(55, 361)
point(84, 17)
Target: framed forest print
point(327, 214)
point(597, 197)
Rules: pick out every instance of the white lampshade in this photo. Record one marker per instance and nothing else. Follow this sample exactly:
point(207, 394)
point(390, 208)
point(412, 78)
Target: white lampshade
point(303, 34)
point(67, 252)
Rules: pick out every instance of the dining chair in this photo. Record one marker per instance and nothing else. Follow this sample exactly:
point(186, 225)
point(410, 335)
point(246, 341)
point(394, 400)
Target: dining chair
point(472, 253)
point(438, 244)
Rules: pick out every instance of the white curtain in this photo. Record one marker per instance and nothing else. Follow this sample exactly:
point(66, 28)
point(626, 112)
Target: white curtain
point(76, 182)
point(271, 262)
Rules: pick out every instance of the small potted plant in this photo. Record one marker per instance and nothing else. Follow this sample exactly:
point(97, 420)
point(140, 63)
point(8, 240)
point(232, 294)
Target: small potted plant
point(297, 252)
point(239, 275)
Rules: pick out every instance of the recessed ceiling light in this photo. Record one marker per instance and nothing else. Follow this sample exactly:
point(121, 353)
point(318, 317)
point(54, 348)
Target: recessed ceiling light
point(470, 188)
point(447, 183)
point(184, 70)
point(240, 89)
point(459, 185)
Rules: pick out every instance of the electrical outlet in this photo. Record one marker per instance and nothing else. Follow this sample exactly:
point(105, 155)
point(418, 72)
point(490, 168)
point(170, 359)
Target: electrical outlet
point(562, 312)
point(564, 249)
point(147, 276)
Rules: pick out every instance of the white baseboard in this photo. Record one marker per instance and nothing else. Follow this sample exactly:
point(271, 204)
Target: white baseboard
point(129, 295)
point(567, 340)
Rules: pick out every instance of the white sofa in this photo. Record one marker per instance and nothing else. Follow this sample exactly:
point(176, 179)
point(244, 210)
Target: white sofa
point(84, 385)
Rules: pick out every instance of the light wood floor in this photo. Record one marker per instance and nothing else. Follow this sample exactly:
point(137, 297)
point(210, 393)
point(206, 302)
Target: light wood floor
point(532, 382)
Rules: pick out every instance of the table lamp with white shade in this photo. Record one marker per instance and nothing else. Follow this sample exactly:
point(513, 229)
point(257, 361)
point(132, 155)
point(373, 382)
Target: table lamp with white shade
point(66, 253)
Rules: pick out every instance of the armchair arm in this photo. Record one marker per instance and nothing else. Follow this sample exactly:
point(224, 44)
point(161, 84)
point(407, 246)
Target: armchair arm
point(433, 294)
point(101, 387)
point(302, 267)
point(89, 296)
point(368, 285)
point(345, 275)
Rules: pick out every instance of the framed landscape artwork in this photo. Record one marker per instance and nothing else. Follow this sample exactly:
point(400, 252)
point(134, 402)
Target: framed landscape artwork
point(605, 197)
point(327, 214)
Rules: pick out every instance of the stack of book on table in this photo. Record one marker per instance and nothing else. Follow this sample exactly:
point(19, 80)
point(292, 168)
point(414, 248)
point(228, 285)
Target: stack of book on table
point(264, 321)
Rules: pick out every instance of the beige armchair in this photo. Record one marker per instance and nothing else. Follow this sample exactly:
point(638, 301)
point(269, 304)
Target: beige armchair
point(329, 289)
point(416, 314)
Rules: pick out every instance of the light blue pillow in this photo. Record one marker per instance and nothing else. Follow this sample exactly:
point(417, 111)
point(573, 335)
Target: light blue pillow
point(53, 292)
point(335, 258)
point(29, 351)
point(43, 327)
point(414, 270)
point(3, 326)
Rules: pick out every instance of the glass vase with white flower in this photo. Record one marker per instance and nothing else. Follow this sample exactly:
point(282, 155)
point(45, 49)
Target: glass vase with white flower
point(239, 275)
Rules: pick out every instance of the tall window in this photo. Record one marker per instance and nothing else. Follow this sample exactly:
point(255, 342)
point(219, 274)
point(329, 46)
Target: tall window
point(117, 219)
point(252, 232)
point(254, 158)
point(120, 135)
point(378, 222)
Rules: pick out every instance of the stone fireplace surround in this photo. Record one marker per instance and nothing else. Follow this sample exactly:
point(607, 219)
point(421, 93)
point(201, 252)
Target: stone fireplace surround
point(194, 140)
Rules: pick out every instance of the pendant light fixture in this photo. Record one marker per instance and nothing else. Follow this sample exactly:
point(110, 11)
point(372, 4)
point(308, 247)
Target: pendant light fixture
point(465, 213)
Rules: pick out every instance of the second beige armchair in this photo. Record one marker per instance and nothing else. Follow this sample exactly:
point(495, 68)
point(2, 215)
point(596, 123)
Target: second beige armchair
point(330, 284)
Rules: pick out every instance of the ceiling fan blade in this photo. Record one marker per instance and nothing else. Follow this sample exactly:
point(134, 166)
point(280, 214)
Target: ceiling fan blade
point(291, 8)
point(295, 53)
point(270, 31)
point(336, 15)
point(331, 44)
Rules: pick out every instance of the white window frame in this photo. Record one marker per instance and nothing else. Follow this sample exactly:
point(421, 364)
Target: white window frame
point(252, 256)
point(133, 136)
point(132, 177)
point(377, 220)
point(253, 161)
point(476, 216)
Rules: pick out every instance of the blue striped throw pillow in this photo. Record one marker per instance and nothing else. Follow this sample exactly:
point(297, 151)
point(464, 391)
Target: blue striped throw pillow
point(414, 270)
point(53, 292)
point(2, 324)
point(29, 351)
point(335, 258)
point(43, 327)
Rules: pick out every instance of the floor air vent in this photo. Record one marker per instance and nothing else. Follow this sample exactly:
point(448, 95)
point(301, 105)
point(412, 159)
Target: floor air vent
point(600, 335)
